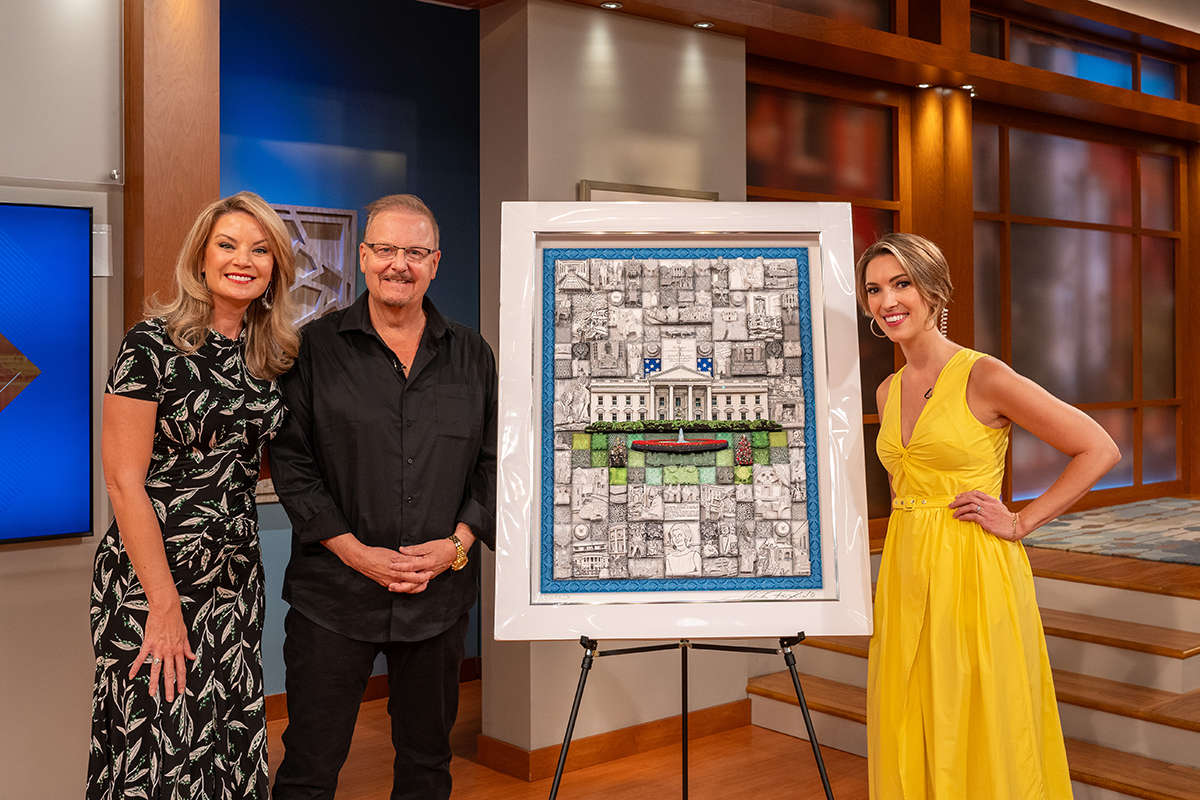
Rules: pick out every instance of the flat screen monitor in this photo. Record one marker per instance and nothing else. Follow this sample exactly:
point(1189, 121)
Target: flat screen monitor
point(45, 372)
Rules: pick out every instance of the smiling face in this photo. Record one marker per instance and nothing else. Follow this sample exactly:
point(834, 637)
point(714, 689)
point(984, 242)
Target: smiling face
point(238, 264)
point(399, 283)
point(893, 300)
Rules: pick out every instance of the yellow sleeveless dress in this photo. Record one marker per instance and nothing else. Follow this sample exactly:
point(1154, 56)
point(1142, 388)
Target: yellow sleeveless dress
point(960, 699)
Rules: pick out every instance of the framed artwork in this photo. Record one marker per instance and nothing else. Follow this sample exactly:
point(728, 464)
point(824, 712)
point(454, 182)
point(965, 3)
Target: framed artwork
point(681, 448)
point(603, 191)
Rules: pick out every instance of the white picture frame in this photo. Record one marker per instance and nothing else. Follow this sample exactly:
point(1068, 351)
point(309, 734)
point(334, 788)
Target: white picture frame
point(531, 604)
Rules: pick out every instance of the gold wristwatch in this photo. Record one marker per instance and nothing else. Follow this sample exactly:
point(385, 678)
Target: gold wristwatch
point(460, 554)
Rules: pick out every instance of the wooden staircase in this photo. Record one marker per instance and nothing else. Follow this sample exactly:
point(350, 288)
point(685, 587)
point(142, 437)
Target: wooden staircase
point(1124, 645)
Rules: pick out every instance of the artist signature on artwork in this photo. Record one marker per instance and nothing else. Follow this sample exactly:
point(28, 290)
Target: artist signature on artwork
point(783, 594)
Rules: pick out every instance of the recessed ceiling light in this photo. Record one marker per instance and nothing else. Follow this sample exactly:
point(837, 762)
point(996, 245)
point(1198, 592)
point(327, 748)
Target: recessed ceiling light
point(924, 85)
point(968, 86)
point(610, 6)
point(704, 25)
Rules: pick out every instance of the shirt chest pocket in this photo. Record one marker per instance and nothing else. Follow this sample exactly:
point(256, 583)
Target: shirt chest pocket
point(459, 410)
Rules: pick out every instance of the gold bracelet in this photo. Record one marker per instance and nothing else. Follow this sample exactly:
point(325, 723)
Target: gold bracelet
point(1014, 525)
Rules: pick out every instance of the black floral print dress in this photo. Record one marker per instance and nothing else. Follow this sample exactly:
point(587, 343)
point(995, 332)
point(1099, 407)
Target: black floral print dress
point(210, 743)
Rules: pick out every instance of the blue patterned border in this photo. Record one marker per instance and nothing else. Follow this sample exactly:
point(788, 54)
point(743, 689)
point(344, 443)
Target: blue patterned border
point(546, 572)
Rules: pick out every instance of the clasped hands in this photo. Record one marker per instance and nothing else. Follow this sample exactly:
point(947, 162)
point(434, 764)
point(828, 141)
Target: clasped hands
point(989, 513)
point(406, 570)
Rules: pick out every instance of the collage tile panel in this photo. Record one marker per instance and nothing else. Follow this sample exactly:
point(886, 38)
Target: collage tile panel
point(637, 334)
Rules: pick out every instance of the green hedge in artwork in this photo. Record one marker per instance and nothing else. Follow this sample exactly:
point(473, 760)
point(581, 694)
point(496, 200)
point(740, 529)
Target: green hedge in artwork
point(689, 426)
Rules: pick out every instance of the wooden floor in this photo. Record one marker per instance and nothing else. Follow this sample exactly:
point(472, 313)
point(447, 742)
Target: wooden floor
point(747, 762)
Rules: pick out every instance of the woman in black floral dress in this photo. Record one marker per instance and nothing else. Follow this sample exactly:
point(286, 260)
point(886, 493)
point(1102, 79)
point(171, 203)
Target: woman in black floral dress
point(177, 596)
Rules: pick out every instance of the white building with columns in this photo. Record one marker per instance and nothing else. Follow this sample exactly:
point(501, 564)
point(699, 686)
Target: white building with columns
point(677, 393)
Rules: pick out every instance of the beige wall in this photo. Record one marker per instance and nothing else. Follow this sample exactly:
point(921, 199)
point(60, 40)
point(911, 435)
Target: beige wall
point(1180, 13)
point(570, 93)
point(59, 141)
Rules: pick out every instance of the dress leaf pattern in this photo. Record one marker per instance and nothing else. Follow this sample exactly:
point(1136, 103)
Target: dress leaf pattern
point(210, 742)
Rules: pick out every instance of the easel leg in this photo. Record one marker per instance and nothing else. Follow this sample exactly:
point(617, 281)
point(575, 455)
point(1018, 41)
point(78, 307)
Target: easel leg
point(589, 648)
point(683, 650)
point(786, 644)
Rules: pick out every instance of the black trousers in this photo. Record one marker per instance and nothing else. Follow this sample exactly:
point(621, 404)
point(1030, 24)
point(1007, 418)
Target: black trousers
point(326, 676)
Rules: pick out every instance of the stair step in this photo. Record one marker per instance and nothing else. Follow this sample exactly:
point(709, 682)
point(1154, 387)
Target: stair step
point(1119, 633)
point(1129, 700)
point(1129, 774)
point(1129, 652)
point(1091, 764)
point(1153, 639)
point(827, 696)
point(1132, 574)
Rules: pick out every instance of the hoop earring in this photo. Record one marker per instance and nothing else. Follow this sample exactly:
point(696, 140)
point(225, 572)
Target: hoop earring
point(945, 316)
point(268, 296)
point(872, 326)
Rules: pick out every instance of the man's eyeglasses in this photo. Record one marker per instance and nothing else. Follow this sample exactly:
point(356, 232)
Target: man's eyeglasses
point(389, 252)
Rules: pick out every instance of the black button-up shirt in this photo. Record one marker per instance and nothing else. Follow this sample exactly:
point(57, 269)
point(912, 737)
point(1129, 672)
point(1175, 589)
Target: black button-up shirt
point(393, 460)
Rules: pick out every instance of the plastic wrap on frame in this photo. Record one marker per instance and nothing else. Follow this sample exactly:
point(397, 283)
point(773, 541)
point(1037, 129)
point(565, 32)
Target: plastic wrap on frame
point(842, 604)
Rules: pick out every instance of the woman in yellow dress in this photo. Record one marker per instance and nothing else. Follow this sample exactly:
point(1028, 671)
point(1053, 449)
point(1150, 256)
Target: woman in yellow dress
point(960, 698)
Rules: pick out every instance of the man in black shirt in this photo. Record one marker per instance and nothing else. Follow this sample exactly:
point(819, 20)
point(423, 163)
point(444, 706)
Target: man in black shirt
point(386, 466)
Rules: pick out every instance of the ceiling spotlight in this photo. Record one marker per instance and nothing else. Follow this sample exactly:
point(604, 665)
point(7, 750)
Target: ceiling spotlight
point(924, 85)
point(610, 6)
point(704, 25)
point(968, 86)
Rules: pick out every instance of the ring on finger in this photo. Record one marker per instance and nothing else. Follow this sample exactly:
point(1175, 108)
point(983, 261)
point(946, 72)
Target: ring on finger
point(978, 509)
point(155, 660)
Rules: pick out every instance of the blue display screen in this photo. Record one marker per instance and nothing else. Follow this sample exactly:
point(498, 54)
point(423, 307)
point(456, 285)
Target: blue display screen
point(45, 372)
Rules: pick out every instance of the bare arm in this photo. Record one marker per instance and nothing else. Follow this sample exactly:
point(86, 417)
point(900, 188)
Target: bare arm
point(127, 441)
point(997, 395)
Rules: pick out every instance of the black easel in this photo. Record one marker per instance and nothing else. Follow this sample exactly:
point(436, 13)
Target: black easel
point(591, 650)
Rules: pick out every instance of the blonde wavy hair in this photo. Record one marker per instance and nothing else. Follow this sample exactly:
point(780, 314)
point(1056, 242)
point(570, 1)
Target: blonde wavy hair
point(921, 260)
point(272, 340)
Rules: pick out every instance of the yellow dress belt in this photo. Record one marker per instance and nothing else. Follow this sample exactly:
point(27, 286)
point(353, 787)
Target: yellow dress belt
point(913, 502)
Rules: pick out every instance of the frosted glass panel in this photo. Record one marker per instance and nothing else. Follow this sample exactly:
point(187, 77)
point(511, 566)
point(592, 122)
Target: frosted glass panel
point(1158, 445)
point(1036, 465)
point(986, 33)
point(985, 166)
point(1158, 318)
point(1070, 57)
point(1072, 312)
point(1158, 78)
point(869, 225)
point(1158, 192)
point(808, 143)
point(1061, 178)
point(1119, 424)
point(988, 300)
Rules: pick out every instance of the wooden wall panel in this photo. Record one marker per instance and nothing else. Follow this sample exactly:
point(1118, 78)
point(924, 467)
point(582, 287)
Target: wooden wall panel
point(941, 188)
point(172, 135)
point(1188, 305)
